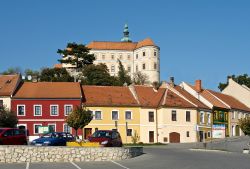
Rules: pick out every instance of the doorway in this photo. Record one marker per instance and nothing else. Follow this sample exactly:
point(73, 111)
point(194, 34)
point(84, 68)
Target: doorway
point(87, 132)
point(151, 136)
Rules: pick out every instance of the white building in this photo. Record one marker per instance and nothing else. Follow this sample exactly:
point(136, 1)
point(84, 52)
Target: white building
point(143, 56)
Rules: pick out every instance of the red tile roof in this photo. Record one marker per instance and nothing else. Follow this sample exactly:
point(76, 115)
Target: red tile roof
point(8, 84)
point(148, 97)
point(231, 101)
point(130, 46)
point(49, 90)
point(58, 65)
point(108, 96)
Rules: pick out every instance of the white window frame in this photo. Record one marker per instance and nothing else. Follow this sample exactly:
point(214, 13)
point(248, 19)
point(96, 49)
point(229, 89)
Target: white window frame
point(239, 115)
point(57, 109)
point(202, 113)
point(22, 124)
point(112, 69)
point(69, 127)
point(24, 108)
point(34, 110)
point(52, 124)
point(131, 114)
point(34, 127)
point(112, 114)
point(209, 118)
point(71, 105)
point(95, 112)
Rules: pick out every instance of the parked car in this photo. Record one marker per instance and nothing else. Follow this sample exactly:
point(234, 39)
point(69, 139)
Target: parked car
point(53, 139)
point(12, 136)
point(106, 138)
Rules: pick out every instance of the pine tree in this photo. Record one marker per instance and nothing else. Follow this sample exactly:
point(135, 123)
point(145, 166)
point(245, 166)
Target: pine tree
point(123, 76)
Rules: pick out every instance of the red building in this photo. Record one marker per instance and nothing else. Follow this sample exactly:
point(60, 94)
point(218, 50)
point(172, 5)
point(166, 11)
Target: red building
point(45, 104)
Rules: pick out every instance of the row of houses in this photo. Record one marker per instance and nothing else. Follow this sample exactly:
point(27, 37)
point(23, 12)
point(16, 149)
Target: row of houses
point(168, 114)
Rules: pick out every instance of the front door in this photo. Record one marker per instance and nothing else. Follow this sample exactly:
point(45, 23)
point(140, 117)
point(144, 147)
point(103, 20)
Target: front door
point(201, 136)
point(174, 137)
point(151, 136)
point(237, 128)
point(87, 132)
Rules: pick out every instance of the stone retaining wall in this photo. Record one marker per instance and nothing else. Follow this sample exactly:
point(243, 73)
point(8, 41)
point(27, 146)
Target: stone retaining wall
point(19, 154)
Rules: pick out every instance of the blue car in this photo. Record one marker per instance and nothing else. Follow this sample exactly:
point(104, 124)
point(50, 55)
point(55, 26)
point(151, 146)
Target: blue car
point(53, 139)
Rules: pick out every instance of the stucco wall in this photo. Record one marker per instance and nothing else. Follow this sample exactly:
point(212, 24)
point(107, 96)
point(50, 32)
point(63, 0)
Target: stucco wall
point(17, 154)
point(6, 102)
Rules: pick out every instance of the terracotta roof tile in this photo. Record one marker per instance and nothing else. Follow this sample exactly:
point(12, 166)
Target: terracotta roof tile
point(8, 84)
point(231, 101)
point(108, 96)
point(130, 46)
point(58, 65)
point(191, 98)
point(49, 90)
point(148, 97)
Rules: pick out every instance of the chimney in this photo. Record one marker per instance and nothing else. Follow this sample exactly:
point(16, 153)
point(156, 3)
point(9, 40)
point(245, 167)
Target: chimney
point(198, 85)
point(172, 81)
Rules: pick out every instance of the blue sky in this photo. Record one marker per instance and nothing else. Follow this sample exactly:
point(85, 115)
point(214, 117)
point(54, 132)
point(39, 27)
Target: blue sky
point(199, 39)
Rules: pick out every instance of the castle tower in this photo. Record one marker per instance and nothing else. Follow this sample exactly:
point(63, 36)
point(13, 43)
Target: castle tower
point(126, 37)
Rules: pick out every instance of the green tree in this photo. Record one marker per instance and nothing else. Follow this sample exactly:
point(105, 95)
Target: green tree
point(11, 71)
point(244, 124)
point(79, 118)
point(140, 78)
point(241, 79)
point(76, 54)
point(98, 75)
point(7, 118)
point(55, 75)
point(123, 76)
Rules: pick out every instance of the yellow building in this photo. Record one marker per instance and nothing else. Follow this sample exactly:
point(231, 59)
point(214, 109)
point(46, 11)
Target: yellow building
point(114, 108)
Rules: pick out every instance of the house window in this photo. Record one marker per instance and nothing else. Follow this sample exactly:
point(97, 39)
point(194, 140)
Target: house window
point(128, 115)
point(143, 66)
point(151, 116)
point(112, 57)
point(129, 69)
point(115, 115)
point(129, 132)
point(21, 110)
point(36, 128)
point(98, 115)
point(239, 115)
point(1, 103)
point(37, 110)
point(188, 116)
point(143, 53)
point(155, 66)
point(136, 56)
point(187, 133)
point(54, 110)
point(52, 127)
point(103, 57)
point(209, 118)
point(113, 68)
point(208, 134)
point(174, 115)
point(66, 128)
point(202, 117)
point(68, 109)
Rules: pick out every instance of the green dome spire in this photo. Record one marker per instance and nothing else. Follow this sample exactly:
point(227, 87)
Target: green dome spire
point(126, 37)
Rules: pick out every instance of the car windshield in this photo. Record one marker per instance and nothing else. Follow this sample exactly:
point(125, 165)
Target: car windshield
point(102, 134)
point(52, 135)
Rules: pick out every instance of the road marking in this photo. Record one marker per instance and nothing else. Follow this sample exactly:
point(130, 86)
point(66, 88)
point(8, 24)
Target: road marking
point(119, 164)
point(27, 165)
point(74, 164)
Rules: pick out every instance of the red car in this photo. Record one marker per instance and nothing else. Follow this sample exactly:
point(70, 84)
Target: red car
point(106, 138)
point(12, 136)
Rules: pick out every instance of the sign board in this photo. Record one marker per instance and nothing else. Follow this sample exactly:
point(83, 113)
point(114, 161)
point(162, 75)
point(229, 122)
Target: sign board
point(43, 129)
point(219, 131)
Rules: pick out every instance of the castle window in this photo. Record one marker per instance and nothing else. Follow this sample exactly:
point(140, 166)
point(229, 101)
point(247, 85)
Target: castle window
point(136, 68)
point(143, 53)
point(128, 57)
point(113, 68)
point(136, 56)
point(129, 69)
point(112, 56)
point(154, 53)
point(103, 57)
point(155, 66)
point(120, 56)
point(143, 66)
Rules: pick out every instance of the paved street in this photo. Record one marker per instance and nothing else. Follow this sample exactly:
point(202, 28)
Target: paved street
point(161, 157)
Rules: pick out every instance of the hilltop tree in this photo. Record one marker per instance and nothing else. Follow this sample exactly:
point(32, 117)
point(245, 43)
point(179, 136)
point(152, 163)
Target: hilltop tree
point(11, 71)
point(79, 118)
point(140, 78)
point(76, 54)
point(7, 118)
point(241, 79)
point(55, 75)
point(123, 77)
point(244, 124)
point(98, 75)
